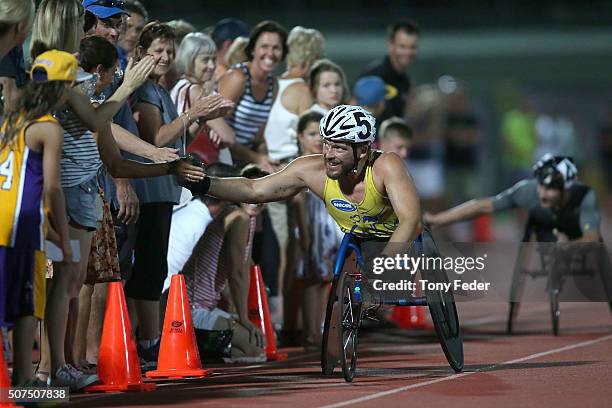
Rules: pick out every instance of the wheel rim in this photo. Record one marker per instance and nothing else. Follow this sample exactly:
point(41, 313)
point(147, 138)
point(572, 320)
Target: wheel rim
point(348, 327)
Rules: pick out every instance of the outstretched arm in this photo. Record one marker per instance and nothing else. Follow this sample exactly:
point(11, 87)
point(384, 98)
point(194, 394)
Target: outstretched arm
point(523, 194)
point(465, 211)
point(96, 117)
point(275, 187)
point(131, 143)
point(118, 167)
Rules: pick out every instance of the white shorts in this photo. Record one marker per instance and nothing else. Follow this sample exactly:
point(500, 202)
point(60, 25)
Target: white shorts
point(205, 319)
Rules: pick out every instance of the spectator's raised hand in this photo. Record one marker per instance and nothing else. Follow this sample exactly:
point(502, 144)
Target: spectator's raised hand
point(137, 73)
point(227, 107)
point(211, 107)
point(214, 137)
point(186, 171)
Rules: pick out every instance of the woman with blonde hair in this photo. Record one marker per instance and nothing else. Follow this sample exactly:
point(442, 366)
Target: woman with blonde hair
point(293, 97)
point(59, 25)
point(48, 30)
point(236, 52)
point(15, 22)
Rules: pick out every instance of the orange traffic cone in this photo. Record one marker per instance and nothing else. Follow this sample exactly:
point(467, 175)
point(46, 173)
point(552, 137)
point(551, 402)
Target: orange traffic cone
point(5, 381)
point(178, 352)
point(118, 364)
point(259, 314)
point(409, 317)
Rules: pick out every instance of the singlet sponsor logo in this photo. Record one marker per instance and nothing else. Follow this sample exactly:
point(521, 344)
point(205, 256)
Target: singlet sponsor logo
point(343, 205)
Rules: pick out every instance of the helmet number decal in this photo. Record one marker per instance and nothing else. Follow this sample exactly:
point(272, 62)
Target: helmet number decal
point(360, 120)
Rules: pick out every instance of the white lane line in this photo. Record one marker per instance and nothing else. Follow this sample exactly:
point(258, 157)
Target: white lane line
point(457, 376)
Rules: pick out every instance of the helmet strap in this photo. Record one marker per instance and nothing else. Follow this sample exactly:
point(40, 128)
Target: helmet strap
point(356, 159)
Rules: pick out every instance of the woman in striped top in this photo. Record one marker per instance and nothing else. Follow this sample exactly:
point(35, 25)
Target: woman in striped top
point(252, 87)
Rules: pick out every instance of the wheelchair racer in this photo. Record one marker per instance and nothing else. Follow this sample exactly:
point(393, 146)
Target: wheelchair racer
point(560, 208)
point(367, 192)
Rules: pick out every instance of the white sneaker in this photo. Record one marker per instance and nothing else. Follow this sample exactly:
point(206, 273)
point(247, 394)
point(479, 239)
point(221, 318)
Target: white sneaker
point(74, 379)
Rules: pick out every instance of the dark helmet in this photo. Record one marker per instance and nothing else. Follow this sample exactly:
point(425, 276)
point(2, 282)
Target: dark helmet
point(555, 171)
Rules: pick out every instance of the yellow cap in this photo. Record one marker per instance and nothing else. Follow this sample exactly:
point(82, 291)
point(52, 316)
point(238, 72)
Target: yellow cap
point(54, 65)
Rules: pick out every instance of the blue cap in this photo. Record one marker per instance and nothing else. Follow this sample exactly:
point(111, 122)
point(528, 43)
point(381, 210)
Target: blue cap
point(369, 90)
point(229, 29)
point(105, 8)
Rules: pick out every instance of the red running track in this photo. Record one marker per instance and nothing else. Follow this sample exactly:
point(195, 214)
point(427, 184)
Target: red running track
point(531, 368)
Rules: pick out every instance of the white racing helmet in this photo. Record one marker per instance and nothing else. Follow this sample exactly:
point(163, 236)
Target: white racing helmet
point(555, 171)
point(348, 123)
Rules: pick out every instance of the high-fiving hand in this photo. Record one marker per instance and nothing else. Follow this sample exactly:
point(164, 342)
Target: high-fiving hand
point(137, 73)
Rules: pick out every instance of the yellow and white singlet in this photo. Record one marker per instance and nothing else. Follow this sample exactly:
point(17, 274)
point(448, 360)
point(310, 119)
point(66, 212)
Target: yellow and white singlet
point(373, 217)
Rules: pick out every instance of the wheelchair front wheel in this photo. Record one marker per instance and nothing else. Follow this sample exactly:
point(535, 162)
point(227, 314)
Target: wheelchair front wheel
point(329, 353)
point(443, 310)
point(349, 320)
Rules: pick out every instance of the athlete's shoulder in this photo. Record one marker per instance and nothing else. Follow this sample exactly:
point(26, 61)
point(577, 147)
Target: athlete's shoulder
point(308, 163)
point(579, 185)
point(386, 161)
point(526, 185)
point(585, 192)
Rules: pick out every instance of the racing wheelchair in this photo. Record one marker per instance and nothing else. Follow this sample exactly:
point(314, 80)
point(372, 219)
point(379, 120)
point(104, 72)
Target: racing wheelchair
point(346, 307)
point(555, 265)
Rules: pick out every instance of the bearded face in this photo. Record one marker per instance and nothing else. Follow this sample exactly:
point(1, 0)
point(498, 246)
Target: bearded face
point(339, 158)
